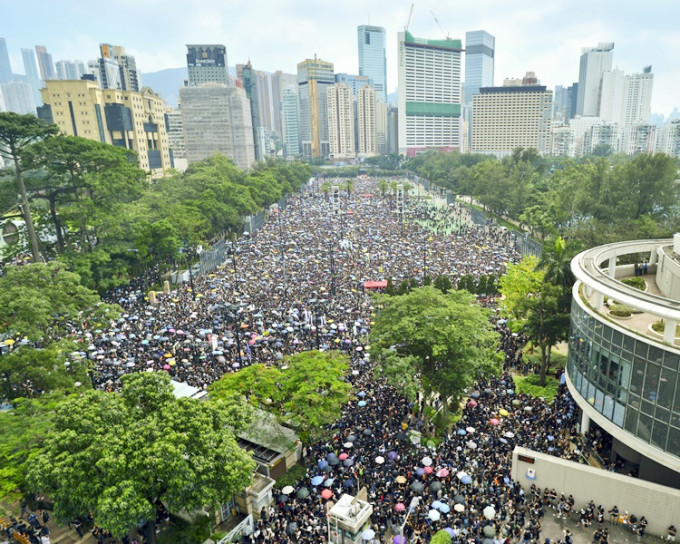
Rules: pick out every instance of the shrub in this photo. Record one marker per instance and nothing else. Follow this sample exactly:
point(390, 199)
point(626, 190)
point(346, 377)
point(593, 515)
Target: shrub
point(620, 313)
point(441, 537)
point(636, 281)
point(294, 474)
point(660, 325)
point(529, 386)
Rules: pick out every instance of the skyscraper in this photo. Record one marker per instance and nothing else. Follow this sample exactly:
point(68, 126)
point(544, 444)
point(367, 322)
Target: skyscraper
point(314, 78)
point(127, 68)
point(5, 65)
point(17, 97)
point(280, 81)
point(289, 121)
point(216, 119)
point(429, 94)
point(67, 69)
point(480, 49)
point(372, 62)
point(626, 99)
point(367, 122)
point(341, 121)
point(594, 62)
point(246, 75)
point(207, 63)
point(353, 82)
point(31, 70)
point(45, 63)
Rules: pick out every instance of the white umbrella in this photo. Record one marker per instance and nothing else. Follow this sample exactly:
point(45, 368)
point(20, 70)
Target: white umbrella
point(470, 429)
point(489, 512)
point(348, 444)
point(461, 475)
point(368, 534)
point(380, 460)
point(288, 490)
point(434, 515)
point(426, 461)
point(509, 435)
point(458, 507)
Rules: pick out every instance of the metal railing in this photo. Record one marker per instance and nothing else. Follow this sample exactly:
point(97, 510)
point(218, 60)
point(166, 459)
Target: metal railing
point(246, 526)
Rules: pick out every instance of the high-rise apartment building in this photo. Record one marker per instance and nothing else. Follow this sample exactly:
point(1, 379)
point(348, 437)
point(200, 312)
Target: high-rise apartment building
point(112, 56)
point(129, 119)
point(289, 121)
point(217, 119)
point(31, 69)
point(595, 61)
point(315, 76)
point(372, 60)
point(279, 81)
point(207, 63)
point(626, 99)
point(638, 138)
point(251, 85)
point(353, 82)
point(17, 96)
point(341, 121)
point(45, 63)
point(429, 94)
point(668, 138)
point(509, 117)
point(480, 47)
point(5, 64)
point(367, 122)
point(70, 69)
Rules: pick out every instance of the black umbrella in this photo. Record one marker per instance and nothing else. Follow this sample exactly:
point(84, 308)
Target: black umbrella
point(333, 460)
point(368, 432)
point(435, 486)
point(283, 498)
point(351, 438)
point(459, 499)
point(417, 486)
point(292, 527)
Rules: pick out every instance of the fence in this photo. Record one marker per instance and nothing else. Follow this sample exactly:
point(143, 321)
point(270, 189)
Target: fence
point(526, 245)
point(245, 527)
point(209, 260)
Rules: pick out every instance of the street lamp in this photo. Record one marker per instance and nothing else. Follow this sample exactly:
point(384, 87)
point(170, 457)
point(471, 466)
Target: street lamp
point(332, 262)
point(317, 306)
point(415, 501)
point(189, 253)
point(230, 316)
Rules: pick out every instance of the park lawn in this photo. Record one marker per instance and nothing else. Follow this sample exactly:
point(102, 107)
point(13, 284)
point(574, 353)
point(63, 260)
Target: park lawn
point(529, 386)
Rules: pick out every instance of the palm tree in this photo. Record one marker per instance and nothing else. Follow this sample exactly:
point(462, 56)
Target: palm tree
point(556, 262)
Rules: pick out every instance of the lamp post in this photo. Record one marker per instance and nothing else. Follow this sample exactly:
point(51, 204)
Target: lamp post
point(189, 253)
point(332, 262)
point(415, 501)
point(283, 255)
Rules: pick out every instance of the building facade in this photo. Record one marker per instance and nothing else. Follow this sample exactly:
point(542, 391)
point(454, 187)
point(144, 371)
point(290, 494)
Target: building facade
point(6, 74)
point(668, 138)
point(17, 96)
point(595, 61)
point(341, 121)
point(129, 119)
point(31, 70)
point(279, 81)
point(623, 375)
point(480, 50)
point(207, 63)
point(45, 63)
point(67, 69)
point(372, 59)
point(429, 94)
point(506, 118)
point(289, 122)
point(112, 57)
point(367, 122)
point(175, 130)
point(217, 119)
point(315, 76)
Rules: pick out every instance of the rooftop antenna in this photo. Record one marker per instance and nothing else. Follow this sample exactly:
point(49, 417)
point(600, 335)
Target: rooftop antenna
point(448, 36)
point(409, 17)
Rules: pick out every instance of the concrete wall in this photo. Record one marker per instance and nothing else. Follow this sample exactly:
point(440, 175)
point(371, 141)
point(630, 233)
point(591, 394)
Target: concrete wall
point(668, 276)
point(659, 504)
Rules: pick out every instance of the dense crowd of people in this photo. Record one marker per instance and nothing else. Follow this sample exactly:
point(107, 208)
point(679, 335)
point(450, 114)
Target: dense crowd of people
point(297, 284)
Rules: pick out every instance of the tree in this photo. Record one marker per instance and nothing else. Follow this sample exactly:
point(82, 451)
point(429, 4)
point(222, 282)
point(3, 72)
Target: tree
point(17, 132)
point(119, 456)
point(449, 339)
point(307, 391)
point(29, 372)
point(45, 300)
point(441, 537)
point(443, 283)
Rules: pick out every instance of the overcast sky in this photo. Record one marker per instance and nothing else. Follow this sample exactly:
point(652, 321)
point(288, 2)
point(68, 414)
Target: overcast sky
point(544, 36)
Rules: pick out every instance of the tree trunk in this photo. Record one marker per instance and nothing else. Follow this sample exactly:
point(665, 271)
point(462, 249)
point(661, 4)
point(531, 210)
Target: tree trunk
point(33, 239)
point(57, 223)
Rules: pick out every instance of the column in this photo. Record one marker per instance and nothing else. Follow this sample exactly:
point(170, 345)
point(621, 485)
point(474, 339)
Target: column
point(669, 331)
point(611, 268)
point(585, 423)
point(599, 301)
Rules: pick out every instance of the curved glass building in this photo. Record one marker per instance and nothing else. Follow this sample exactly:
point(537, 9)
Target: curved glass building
point(623, 374)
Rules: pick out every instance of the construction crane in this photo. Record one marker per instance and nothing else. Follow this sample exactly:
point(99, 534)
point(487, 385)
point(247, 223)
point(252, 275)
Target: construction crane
point(410, 13)
point(448, 36)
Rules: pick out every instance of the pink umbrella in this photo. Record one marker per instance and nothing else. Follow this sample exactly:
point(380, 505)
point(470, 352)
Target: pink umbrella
point(343, 456)
point(400, 507)
point(428, 470)
point(443, 473)
point(166, 367)
point(472, 403)
point(326, 494)
point(494, 421)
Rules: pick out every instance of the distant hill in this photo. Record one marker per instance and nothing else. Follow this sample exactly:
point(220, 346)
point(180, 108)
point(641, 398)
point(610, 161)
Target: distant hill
point(166, 83)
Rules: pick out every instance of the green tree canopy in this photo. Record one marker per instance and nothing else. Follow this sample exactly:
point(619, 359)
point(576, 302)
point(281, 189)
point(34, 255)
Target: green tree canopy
point(448, 338)
point(118, 456)
point(46, 300)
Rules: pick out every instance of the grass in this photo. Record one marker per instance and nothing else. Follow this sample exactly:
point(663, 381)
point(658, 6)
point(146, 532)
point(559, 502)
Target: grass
point(557, 360)
point(529, 386)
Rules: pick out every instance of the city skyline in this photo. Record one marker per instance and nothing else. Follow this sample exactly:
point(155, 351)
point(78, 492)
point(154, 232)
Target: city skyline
point(546, 39)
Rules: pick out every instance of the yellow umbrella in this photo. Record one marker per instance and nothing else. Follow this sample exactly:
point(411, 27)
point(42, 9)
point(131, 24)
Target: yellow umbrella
point(400, 480)
point(503, 412)
point(10, 342)
point(172, 362)
point(167, 355)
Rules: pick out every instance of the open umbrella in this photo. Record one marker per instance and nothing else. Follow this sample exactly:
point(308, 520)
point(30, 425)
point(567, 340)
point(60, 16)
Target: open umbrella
point(399, 539)
point(292, 527)
point(322, 463)
point(503, 440)
point(461, 432)
point(472, 403)
point(489, 512)
point(368, 432)
point(326, 494)
point(350, 438)
point(487, 541)
point(400, 507)
point(361, 403)
point(470, 429)
point(450, 531)
point(333, 461)
point(328, 482)
point(348, 483)
point(459, 499)
point(417, 486)
point(379, 460)
point(303, 493)
point(343, 456)
point(282, 498)
point(400, 480)
point(489, 531)
point(444, 508)
point(435, 486)
point(420, 471)
point(461, 475)
point(348, 444)
point(368, 534)
point(443, 473)
point(458, 507)
point(288, 490)
point(503, 412)
point(434, 515)
point(436, 505)
point(348, 462)
point(467, 480)
point(426, 461)
point(494, 421)
point(509, 435)
point(393, 455)
point(428, 470)
point(470, 444)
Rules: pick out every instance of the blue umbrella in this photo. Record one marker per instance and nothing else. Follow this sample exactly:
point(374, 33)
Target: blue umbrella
point(466, 480)
point(322, 463)
point(475, 395)
point(462, 432)
point(444, 508)
point(361, 394)
point(317, 480)
point(362, 403)
point(329, 482)
point(393, 455)
point(348, 483)
point(348, 462)
point(436, 505)
point(420, 471)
